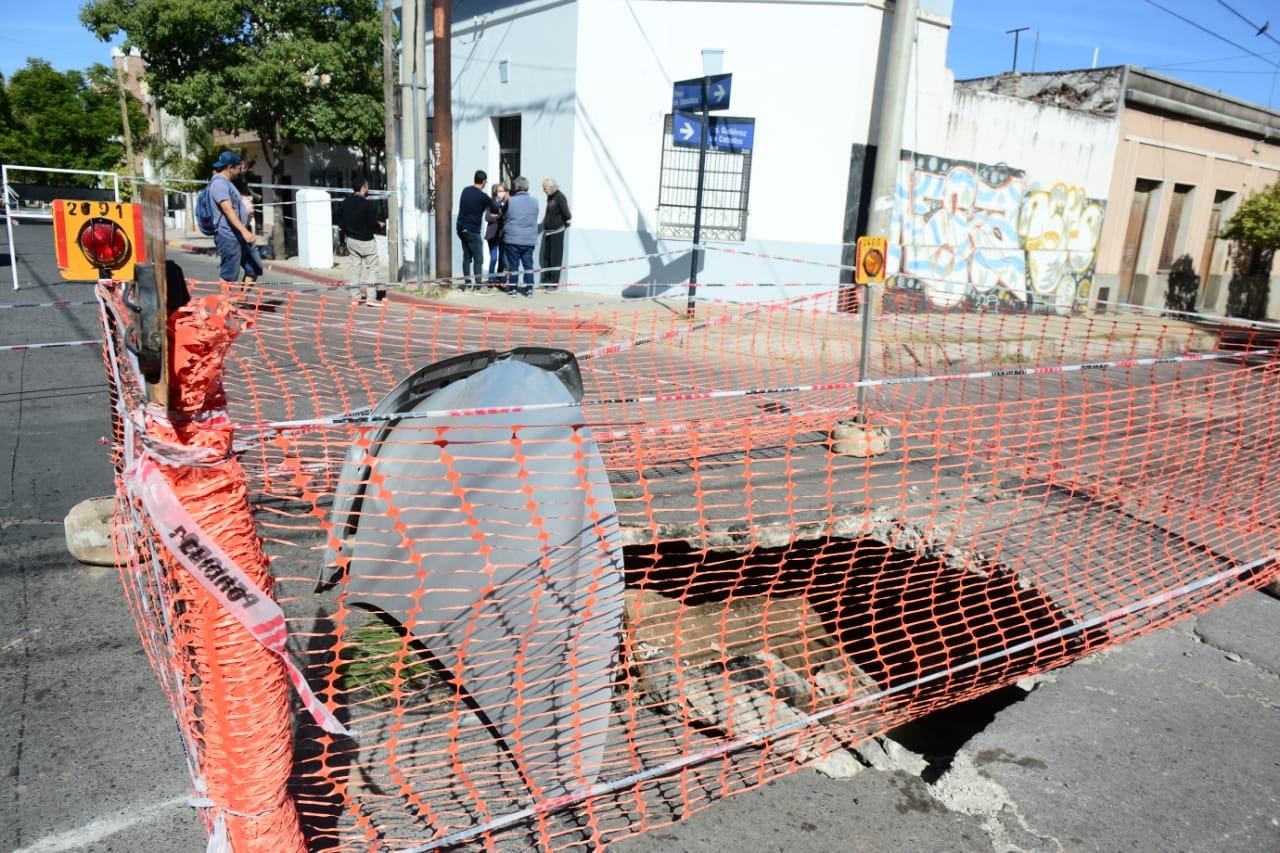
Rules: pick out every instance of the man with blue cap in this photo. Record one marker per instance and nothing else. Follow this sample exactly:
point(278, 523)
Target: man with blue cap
point(237, 247)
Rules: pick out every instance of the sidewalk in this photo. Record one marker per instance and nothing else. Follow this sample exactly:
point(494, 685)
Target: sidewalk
point(449, 299)
point(931, 342)
point(289, 268)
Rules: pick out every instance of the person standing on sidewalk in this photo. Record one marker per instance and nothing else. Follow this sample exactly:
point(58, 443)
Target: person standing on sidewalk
point(554, 223)
point(237, 247)
point(493, 235)
point(359, 223)
point(472, 206)
point(520, 232)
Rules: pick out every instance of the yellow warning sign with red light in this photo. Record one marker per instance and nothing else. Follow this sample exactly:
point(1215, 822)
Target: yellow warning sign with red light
point(97, 239)
point(871, 260)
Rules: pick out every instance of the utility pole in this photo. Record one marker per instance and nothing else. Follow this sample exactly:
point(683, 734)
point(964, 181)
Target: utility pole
point(391, 151)
point(413, 112)
point(1015, 33)
point(124, 121)
point(442, 131)
point(884, 180)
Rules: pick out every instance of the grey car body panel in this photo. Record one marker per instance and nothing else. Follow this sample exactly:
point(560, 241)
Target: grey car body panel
point(494, 540)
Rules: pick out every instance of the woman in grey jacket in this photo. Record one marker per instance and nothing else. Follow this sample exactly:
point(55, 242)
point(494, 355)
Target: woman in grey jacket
point(521, 233)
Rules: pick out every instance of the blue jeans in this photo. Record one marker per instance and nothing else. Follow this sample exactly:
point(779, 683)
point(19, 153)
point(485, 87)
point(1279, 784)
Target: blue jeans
point(472, 257)
point(497, 262)
point(517, 255)
point(234, 253)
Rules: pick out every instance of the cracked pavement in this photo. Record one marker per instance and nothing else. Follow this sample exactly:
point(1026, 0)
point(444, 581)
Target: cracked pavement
point(1170, 742)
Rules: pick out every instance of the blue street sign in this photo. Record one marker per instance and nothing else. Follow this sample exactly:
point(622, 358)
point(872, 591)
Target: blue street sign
point(733, 134)
point(688, 94)
point(686, 130)
point(718, 88)
point(726, 134)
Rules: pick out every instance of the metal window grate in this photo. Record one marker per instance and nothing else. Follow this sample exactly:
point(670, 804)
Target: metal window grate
point(725, 192)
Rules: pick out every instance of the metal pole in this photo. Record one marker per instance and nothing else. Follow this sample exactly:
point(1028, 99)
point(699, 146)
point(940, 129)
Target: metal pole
point(697, 206)
point(884, 180)
point(408, 113)
point(124, 122)
point(419, 272)
point(442, 134)
point(390, 146)
point(8, 224)
point(1015, 32)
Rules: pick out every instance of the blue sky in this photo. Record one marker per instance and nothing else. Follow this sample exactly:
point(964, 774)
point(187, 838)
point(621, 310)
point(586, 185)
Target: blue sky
point(1210, 44)
point(1204, 42)
point(49, 30)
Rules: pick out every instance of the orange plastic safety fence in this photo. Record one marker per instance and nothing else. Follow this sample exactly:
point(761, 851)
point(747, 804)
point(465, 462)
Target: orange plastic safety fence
point(796, 576)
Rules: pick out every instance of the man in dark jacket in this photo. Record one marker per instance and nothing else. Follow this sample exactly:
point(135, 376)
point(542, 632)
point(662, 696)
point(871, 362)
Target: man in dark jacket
point(359, 223)
point(471, 209)
point(554, 223)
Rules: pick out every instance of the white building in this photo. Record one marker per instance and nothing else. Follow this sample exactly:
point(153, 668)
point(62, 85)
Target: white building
point(581, 91)
point(1000, 198)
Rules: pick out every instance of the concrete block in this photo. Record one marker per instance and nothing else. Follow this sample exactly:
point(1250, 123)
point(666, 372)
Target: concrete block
point(861, 440)
point(88, 531)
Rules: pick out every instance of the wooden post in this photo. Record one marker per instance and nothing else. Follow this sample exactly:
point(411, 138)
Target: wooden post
point(156, 333)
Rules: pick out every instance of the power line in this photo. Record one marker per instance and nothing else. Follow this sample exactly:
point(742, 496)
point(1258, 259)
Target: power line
point(1258, 30)
point(1188, 62)
point(1218, 36)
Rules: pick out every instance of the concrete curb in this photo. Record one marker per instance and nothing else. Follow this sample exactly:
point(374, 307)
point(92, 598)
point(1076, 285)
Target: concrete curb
point(298, 272)
point(530, 319)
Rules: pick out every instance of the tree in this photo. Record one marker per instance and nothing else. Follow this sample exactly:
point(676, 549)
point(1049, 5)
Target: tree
point(65, 119)
point(1255, 229)
point(286, 70)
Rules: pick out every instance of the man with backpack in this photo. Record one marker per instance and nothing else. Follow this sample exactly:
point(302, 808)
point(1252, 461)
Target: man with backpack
point(237, 247)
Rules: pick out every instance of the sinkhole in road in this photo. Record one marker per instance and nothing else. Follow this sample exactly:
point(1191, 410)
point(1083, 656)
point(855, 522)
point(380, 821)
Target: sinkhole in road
point(943, 640)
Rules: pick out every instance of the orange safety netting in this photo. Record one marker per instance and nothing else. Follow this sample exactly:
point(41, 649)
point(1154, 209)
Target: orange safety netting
point(1041, 487)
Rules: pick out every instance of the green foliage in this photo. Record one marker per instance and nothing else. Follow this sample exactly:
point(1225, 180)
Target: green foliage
point(1257, 222)
point(378, 658)
point(66, 119)
point(1255, 230)
point(305, 70)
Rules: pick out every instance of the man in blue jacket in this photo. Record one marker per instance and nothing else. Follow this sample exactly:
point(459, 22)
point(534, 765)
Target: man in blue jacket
point(471, 208)
point(521, 232)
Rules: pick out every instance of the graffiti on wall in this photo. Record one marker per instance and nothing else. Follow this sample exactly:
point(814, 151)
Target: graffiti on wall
point(983, 236)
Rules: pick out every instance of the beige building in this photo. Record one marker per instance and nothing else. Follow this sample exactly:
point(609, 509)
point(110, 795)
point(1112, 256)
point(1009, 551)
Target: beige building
point(1182, 159)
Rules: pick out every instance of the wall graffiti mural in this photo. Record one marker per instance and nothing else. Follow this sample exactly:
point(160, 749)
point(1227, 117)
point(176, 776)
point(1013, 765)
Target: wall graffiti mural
point(983, 236)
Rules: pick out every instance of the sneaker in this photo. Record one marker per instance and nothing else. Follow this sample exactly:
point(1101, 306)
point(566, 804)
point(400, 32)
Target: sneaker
point(528, 294)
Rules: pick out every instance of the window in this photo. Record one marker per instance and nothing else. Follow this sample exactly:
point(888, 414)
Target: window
point(1175, 226)
point(508, 130)
point(725, 188)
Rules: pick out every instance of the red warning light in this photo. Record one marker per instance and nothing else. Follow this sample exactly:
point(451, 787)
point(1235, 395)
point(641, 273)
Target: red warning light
point(104, 243)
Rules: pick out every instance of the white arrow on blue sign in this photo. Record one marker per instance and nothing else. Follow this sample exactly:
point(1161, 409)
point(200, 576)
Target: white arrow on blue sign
point(718, 88)
point(686, 130)
point(689, 94)
point(727, 134)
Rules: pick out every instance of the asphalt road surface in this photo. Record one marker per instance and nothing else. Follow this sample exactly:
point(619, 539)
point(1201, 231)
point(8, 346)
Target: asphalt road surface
point(1171, 742)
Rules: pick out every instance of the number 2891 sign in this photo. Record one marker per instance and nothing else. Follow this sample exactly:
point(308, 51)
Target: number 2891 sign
point(97, 239)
